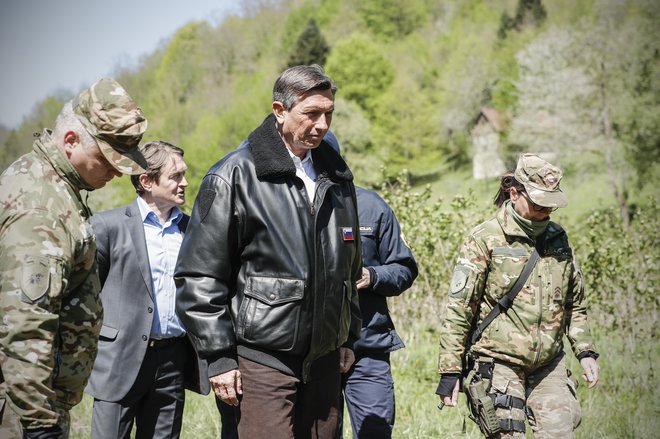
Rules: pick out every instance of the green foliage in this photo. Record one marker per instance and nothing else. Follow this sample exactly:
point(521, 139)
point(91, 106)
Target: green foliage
point(19, 141)
point(434, 234)
point(297, 22)
point(360, 78)
point(311, 47)
point(405, 128)
point(528, 12)
point(176, 84)
point(622, 268)
point(390, 19)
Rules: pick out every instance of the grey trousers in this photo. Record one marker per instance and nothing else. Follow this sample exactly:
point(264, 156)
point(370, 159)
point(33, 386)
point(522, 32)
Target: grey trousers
point(154, 403)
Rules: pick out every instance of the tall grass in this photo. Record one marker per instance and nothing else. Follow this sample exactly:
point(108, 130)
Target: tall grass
point(625, 403)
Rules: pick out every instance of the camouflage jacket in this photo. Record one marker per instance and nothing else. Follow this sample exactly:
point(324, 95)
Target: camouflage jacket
point(550, 304)
point(50, 307)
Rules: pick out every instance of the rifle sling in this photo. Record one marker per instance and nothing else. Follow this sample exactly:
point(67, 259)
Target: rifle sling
point(505, 302)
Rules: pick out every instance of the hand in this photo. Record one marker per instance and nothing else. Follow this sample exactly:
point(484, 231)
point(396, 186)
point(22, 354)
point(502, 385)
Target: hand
point(591, 371)
point(227, 386)
point(365, 280)
point(452, 400)
point(346, 359)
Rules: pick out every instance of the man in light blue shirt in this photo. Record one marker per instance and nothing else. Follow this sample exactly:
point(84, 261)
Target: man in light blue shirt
point(145, 361)
point(163, 237)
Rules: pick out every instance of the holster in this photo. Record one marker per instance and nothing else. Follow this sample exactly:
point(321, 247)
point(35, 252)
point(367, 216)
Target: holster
point(476, 385)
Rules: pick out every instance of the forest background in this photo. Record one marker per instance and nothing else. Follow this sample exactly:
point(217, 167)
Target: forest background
point(576, 80)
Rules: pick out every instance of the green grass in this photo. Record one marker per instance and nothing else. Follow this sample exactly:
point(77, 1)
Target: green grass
point(625, 404)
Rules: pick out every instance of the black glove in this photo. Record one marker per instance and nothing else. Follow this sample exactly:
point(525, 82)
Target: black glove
point(447, 383)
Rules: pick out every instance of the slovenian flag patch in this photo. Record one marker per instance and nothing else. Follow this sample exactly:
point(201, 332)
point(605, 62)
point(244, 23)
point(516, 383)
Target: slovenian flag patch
point(347, 233)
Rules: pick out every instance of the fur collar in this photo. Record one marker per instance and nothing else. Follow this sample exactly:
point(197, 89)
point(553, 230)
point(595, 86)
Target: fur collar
point(272, 160)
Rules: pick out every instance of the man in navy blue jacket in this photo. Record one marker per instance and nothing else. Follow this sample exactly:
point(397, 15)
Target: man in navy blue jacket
point(389, 268)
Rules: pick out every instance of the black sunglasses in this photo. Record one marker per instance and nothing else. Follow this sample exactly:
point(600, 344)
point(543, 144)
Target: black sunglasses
point(535, 206)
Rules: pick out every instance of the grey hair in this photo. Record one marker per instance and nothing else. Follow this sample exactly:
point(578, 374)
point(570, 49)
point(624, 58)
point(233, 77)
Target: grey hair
point(295, 81)
point(68, 121)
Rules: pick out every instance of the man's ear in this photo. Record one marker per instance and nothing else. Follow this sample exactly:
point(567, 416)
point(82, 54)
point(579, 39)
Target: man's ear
point(71, 139)
point(279, 111)
point(145, 182)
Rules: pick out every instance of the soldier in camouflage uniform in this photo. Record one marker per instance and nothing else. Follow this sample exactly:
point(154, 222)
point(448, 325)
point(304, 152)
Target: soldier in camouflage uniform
point(50, 308)
point(524, 345)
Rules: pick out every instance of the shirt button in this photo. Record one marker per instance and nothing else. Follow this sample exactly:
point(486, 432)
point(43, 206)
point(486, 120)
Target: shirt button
point(144, 337)
point(272, 296)
point(150, 310)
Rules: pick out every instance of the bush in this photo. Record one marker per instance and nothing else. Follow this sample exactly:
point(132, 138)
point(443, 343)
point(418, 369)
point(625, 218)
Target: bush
point(434, 235)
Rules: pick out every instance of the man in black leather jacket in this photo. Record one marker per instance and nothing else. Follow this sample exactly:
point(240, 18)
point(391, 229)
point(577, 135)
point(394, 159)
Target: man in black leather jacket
point(267, 270)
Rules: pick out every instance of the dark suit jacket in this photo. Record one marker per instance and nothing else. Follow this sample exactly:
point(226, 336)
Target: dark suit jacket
point(128, 305)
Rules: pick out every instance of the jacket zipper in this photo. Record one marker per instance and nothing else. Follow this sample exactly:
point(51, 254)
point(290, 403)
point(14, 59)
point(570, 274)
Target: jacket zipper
point(539, 300)
point(319, 194)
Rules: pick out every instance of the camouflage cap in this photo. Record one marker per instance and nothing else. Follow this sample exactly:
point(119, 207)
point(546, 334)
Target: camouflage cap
point(541, 181)
point(110, 115)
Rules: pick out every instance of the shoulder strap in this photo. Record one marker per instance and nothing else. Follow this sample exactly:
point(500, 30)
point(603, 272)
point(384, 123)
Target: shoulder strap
point(505, 302)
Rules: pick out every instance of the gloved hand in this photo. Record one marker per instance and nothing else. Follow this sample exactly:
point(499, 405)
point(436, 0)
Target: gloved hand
point(448, 390)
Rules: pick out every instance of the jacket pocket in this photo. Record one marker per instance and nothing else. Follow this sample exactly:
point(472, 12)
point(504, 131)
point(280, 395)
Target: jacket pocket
point(108, 333)
point(271, 311)
point(506, 265)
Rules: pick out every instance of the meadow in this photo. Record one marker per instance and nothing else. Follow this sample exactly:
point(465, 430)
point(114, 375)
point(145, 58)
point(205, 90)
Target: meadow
point(623, 405)
point(620, 263)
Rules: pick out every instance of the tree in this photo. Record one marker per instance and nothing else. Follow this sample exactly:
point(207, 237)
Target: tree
point(620, 49)
point(392, 19)
point(360, 70)
point(528, 13)
point(555, 111)
point(19, 141)
point(311, 47)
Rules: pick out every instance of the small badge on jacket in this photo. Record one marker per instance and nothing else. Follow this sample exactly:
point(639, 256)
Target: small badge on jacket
point(347, 234)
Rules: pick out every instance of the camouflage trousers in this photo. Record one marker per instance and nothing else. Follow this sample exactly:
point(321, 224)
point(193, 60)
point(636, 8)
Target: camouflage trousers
point(10, 422)
point(553, 409)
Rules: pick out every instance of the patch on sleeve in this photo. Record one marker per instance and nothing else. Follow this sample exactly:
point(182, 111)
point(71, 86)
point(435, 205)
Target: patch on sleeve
point(205, 199)
point(36, 277)
point(458, 281)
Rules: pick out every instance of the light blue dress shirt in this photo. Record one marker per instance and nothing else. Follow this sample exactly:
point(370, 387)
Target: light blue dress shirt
point(163, 243)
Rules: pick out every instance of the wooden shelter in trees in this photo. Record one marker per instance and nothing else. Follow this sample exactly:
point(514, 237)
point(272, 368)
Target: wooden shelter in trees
point(486, 157)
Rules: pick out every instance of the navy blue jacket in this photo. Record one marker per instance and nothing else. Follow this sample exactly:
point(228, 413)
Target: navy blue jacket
point(393, 270)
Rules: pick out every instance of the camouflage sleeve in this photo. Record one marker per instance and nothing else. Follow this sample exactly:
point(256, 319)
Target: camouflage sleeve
point(465, 292)
point(35, 250)
point(577, 328)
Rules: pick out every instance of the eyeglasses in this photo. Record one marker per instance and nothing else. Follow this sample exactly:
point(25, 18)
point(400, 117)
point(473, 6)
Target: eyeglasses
point(535, 206)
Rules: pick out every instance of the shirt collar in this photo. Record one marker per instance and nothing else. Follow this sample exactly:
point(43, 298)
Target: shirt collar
point(304, 161)
point(147, 212)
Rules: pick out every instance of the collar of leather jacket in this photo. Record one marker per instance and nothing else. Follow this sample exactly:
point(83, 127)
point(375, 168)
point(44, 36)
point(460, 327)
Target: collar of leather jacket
point(272, 160)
